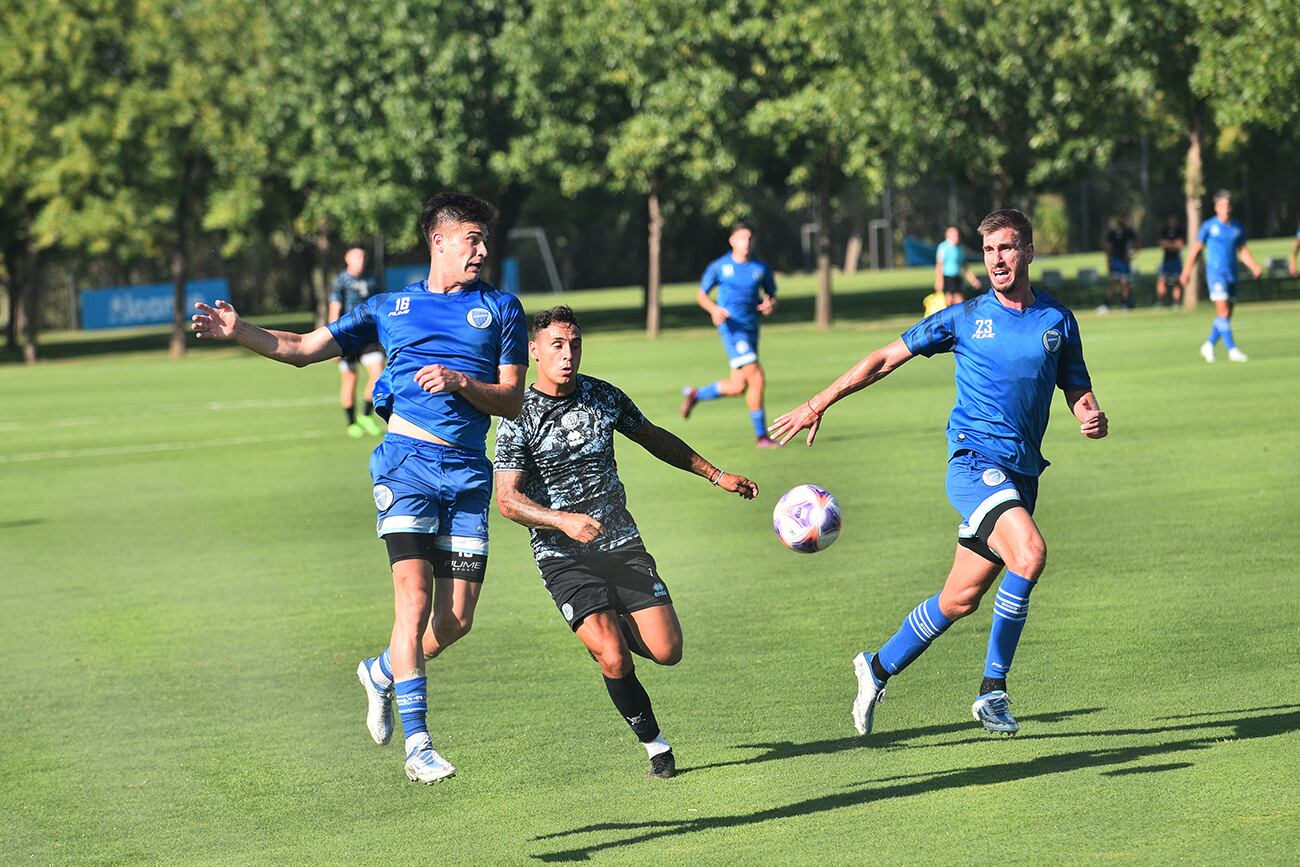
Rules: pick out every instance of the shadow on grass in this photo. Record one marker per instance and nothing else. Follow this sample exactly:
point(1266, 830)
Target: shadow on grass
point(22, 522)
point(1239, 726)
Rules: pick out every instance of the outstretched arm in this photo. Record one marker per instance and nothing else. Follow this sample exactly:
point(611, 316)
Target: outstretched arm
point(669, 448)
point(869, 370)
point(1295, 248)
point(1092, 421)
point(221, 322)
point(521, 509)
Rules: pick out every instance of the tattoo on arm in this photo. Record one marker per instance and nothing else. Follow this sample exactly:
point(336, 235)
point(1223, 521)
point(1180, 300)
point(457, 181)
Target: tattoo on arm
point(671, 449)
point(518, 507)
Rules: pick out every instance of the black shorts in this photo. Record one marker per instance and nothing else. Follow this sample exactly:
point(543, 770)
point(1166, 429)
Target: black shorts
point(952, 285)
point(623, 579)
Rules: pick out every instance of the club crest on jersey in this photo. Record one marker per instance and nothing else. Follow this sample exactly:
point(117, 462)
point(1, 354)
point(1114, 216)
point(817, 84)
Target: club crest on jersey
point(1052, 340)
point(479, 317)
point(994, 477)
point(383, 497)
point(728, 270)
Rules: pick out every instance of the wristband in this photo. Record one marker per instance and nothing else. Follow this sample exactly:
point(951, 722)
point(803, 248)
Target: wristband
point(716, 476)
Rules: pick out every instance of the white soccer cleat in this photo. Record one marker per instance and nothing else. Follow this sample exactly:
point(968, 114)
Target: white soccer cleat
point(993, 711)
point(1235, 354)
point(424, 764)
point(379, 705)
point(869, 694)
point(1207, 351)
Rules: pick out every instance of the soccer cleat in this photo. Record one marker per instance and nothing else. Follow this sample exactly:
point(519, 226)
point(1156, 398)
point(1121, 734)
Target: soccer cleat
point(869, 694)
point(690, 397)
point(354, 430)
point(369, 425)
point(662, 767)
point(424, 765)
point(379, 705)
point(1103, 309)
point(993, 709)
point(1235, 354)
point(766, 442)
point(1207, 351)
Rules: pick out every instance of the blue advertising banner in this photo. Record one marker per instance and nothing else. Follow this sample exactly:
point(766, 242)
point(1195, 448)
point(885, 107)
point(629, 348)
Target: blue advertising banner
point(150, 304)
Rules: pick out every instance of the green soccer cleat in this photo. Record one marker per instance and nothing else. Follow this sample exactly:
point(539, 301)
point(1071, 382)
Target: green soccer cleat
point(369, 425)
point(354, 430)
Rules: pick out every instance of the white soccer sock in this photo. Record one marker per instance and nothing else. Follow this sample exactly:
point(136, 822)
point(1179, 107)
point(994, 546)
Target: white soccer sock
point(657, 746)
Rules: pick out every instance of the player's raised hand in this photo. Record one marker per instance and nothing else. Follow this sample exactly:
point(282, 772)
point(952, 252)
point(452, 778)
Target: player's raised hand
point(435, 378)
point(216, 322)
point(786, 426)
point(581, 528)
point(747, 489)
point(767, 306)
point(1094, 424)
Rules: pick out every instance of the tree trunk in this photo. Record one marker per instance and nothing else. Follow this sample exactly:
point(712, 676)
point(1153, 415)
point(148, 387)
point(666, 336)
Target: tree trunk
point(655, 239)
point(822, 306)
point(13, 264)
point(853, 249)
point(28, 313)
point(1193, 189)
point(181, 265)
point(508, 210)
point(320, 278)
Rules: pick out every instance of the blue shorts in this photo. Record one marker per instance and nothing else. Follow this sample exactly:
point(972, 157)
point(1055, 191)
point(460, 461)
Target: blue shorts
point(981, 490)
point(1221, 288)
point(1171, 270)
point(1120, 267)
point(740, 341)
point(423, 487)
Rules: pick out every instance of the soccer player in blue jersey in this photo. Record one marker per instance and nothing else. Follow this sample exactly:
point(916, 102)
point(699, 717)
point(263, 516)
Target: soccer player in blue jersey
point(351, 287)
point(746, 292)
point(457, 354)
point(1224, 240)
point(1121, 245)
point(950, 266)
point(1014, 346)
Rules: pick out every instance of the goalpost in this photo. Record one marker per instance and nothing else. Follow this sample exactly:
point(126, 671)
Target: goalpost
point(530, 251)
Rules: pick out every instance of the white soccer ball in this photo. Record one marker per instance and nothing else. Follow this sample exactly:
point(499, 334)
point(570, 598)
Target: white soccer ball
point(807, 519)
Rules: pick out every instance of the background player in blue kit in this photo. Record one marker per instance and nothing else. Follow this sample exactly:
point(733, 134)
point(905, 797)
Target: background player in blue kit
point(351, 287)
point(1014, 347)
point(1121, 246)
point(950, 266)
point(746, 292)
point(457, 354)
point(1223, 239)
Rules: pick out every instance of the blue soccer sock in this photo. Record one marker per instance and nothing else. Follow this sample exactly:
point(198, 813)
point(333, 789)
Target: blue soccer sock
point(1214, 331)
point(1223, 325)
point(381, 669)
point(412, 704)
point(759, 418)
point(922, 626)
point(712, 391)
point(1010, 608)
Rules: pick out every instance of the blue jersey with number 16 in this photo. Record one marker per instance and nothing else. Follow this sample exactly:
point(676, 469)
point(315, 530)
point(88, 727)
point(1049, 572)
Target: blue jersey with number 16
point(1009, 363)
point(473, 331)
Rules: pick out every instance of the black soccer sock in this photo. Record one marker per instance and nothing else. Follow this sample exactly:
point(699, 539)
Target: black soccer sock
point(351, 413)
point(369, 408)
point(630, 697)
point(878, 670)
point(990, 684)
point(633, 643)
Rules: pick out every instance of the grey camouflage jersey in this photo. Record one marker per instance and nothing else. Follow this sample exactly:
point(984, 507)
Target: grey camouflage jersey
point(565, 446)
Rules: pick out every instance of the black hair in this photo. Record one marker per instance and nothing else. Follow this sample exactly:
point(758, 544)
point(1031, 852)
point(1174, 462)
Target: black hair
point(543, 319)
point(449, 207)
point(741, 224)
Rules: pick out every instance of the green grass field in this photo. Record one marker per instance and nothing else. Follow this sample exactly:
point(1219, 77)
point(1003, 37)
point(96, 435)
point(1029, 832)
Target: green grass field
point(189, 576)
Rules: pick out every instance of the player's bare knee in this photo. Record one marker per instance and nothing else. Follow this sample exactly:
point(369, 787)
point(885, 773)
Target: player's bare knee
point(614, 659)
point(956, 604)
point(1028, 558)
point(449, 628)
point(670, 654)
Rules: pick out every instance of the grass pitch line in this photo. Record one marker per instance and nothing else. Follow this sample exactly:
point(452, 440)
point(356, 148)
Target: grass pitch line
point(152, 448)
point(175, 409)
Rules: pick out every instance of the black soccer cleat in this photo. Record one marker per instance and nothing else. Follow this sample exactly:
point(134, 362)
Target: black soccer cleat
point(662, 767)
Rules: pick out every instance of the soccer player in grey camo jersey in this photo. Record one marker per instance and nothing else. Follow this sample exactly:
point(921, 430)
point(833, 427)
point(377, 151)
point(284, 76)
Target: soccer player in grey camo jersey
point(555, 473)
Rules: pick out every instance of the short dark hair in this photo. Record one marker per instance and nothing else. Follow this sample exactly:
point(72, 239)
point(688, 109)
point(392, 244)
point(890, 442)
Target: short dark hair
point(741, 224)
point(1223, 194)
point(449, 207)
point(1008, 218)
point(544, 319)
